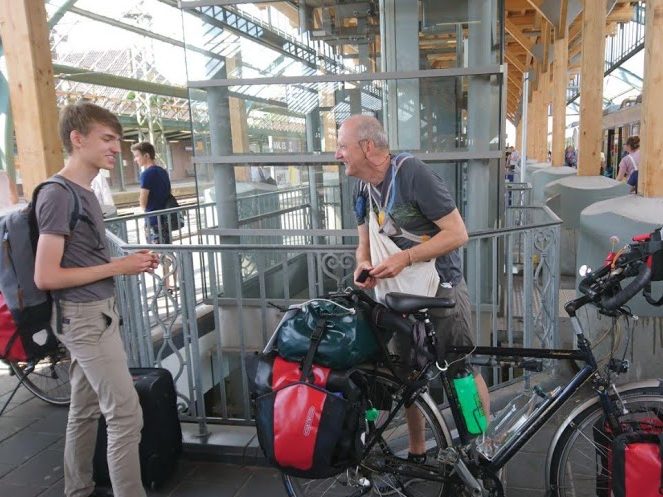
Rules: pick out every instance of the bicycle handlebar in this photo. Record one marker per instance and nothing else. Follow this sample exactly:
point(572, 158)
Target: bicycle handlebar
point(602, 288)
point(631, 290)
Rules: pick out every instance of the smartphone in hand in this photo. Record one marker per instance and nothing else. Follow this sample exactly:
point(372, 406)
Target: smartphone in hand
point(363, 276)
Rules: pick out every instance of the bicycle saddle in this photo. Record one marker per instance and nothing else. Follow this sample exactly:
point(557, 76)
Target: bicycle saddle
point(406, 303)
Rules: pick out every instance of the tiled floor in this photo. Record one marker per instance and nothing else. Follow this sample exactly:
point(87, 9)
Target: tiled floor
point(32, 442)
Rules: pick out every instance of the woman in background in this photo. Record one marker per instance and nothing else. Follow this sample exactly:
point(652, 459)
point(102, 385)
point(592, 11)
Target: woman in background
point(628, 166)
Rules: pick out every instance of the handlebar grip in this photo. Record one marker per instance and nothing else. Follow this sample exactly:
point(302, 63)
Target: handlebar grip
point(384, 318)
point(638, 283)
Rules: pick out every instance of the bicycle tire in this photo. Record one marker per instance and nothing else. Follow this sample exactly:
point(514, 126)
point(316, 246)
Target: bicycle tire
point(353, 480)
point(49, 379)
point(573, 468)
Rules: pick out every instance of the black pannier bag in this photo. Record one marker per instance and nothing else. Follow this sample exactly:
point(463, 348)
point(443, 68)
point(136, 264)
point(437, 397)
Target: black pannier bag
point(638, 465)
point(635, 422)
point(309, 419)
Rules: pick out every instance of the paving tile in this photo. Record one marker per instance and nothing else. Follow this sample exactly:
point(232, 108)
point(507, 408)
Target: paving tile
point(56, 490)
point(525, 492)
point(190, 488)
point(20, 447)
point(42, 470)
point(232, 475)
point(21, 490)
point(526, 470)
point(263, 481)
point(5, 468)
point(34, 408)
point(13, 424)
point(55, 422)
point(185, 468)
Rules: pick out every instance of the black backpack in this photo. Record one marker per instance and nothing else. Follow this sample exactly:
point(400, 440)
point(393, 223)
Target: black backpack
point(30, 307)
point(174, 220)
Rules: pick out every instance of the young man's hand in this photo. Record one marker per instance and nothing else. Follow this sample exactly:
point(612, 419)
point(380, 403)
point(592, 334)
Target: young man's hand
point(139, 262)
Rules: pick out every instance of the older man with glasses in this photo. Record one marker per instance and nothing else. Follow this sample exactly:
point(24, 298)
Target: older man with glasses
point(409, 234)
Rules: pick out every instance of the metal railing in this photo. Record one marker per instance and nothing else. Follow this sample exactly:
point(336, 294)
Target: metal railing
point(621, 46)
point(204, 332)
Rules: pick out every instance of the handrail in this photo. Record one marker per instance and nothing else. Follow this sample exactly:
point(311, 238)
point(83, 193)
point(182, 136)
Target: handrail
point(221, 309)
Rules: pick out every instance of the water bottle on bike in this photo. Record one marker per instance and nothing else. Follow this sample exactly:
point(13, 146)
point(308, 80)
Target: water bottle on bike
point(511, 418)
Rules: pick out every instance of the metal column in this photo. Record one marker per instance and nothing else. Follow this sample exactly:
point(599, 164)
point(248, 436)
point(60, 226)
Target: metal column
point(225, 191)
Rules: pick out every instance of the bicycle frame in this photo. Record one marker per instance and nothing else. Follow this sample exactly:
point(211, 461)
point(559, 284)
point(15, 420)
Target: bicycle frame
point(550, 405)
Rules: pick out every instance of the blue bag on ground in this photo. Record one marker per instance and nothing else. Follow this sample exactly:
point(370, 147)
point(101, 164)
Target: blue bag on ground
point(348, 339)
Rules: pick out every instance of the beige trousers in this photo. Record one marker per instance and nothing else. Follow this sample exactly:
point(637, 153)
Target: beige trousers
point(100, 383)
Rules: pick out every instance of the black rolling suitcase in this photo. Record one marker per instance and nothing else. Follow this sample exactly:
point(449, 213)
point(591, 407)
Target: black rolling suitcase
point(161, 437)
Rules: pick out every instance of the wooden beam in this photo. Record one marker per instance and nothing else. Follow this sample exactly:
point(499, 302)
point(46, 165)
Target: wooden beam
point(515, 77)
point(25, 40)
point(513, 60)
point(518, 35)
point(536, 5)
point(541, 116)
point(561, 28)
point(650, 176)
point(545, 42)
point(238, 124)
point(560, 82)
point(532, 135)
point(591, 88)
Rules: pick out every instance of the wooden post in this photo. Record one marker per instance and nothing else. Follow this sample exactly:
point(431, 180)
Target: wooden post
point(650, 176)
point(25, 40)
point(519, 134)
point(532, 136)
point(560, 82)
point(591, 87)
point(542, 128)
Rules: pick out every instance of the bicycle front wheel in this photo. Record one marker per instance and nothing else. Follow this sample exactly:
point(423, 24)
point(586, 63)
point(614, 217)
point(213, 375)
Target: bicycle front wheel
point(372, 476)
point(577, 466)
point(47, 379)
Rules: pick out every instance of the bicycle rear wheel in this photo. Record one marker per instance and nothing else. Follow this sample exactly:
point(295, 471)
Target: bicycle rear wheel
point(576, 467)
point(47, 379)
point(372, 476)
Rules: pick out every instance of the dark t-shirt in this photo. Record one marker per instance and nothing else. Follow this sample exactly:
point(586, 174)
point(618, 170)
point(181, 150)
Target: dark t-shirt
point(156, 180)
point(420, 198)
point(85, 246)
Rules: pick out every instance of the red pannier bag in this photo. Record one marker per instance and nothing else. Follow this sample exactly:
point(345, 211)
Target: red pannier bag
point(11, 345)
point(309, 420)
point(637, 467)
point(604, 439)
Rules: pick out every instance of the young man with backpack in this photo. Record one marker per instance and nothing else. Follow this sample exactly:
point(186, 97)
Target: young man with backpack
point(155, 192)
point(76, 267)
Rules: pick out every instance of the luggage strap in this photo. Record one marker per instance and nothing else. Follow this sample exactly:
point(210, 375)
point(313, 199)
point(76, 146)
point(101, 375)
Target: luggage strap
point(316, 337)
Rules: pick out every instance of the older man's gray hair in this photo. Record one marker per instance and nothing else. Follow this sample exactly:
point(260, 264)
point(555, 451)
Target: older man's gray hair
point(369, 128)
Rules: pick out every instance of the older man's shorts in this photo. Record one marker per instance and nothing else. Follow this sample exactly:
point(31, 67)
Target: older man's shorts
point(453, 327)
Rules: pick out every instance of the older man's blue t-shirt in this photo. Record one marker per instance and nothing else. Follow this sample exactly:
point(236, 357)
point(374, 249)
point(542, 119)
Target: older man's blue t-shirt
point(156, 180)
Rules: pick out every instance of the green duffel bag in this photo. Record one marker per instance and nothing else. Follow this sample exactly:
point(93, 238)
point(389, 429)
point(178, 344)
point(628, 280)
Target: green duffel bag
point(348, 339)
